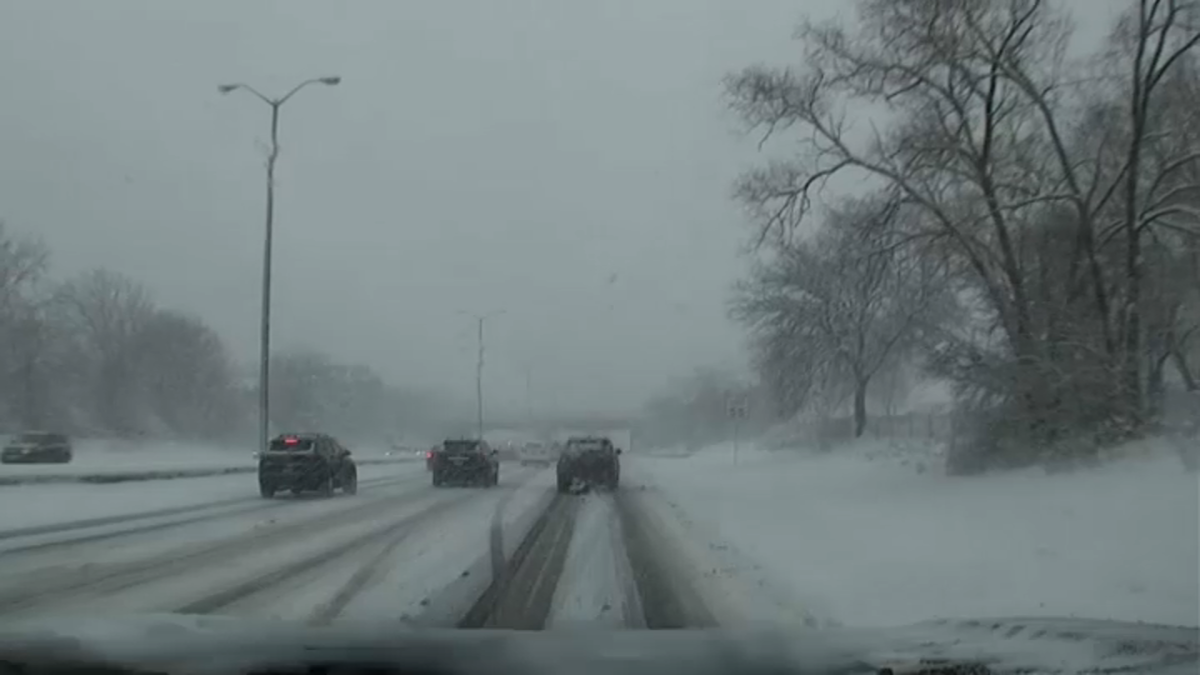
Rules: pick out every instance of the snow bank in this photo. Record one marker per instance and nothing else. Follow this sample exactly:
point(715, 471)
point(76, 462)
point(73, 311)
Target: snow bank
point(865, 537)
point(99, 461)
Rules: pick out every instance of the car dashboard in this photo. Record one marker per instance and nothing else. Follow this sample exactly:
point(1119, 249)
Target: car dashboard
point(212, 645)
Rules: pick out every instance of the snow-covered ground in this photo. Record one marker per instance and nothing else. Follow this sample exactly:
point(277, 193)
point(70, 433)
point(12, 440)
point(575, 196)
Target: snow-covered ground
point(38, 505)
point(596, 587)
point(864, 537)
point(398, 550)
point(94, 456)
point(97, 460)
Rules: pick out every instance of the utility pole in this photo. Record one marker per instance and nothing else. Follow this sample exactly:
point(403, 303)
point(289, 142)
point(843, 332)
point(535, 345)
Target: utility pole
point(479, 382)
point(264, 364)
point(479, 321)
point(529, 395)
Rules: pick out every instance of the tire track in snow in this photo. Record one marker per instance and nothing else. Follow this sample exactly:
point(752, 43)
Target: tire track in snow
point(394, 531)
point(599, 535)
point(259, 505)
point(667, 599)
point(597, 586)
point(522, 589)
point(364, 577)
point(379, 564)
point(55, 586)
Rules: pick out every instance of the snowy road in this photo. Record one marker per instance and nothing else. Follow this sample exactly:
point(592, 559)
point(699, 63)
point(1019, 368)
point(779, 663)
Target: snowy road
point(517, 556)
point(685, 542)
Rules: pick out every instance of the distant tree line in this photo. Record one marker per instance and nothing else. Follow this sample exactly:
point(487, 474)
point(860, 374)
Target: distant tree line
point(1019, 223)
point(694, 411)
point(96, 355)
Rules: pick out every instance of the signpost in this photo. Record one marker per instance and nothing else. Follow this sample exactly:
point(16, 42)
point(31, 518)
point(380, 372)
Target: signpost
point(738, 408)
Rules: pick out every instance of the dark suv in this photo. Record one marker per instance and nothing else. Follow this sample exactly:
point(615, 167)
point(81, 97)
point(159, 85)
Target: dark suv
point(37, 447)
point(465, 462)
point(306, 462)
point(589, 461)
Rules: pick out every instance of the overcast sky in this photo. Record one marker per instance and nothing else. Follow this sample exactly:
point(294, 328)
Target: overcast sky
point(568, 161)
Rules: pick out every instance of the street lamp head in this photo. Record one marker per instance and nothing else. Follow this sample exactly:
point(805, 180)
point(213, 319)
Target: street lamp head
point(331, 81)
point(226, 88)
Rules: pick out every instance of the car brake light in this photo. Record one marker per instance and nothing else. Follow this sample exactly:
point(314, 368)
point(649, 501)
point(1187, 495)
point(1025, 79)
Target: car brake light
point(429, 454)
point(291, 441)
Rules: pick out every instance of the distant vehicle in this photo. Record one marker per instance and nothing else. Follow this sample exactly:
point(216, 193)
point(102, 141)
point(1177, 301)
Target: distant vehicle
point(536, 454)
point(37, 447)
point(507, 452)
point(589, 462)
point(306, 462)
point(465, 462)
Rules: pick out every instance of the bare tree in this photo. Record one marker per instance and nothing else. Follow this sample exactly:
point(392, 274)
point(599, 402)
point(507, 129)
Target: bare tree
point(838, 308)
point(108, 312)
point(983, 107)
point(185, 374)
point(693, 410)
point(23, 264)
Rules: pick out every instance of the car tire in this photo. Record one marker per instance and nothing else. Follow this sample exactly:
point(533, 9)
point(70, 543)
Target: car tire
point(564, 486)
point(326, 488)
point(437, 480)
point(266, 491)
point(350, 485)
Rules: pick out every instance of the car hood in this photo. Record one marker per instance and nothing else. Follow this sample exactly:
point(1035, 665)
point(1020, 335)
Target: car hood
point(180, 643)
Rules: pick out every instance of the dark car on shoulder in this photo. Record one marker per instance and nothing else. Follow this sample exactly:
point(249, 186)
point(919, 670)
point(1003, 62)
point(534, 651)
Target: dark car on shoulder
point(465, 462)
point(589, 462)
point(306, 462)
point(37, 447)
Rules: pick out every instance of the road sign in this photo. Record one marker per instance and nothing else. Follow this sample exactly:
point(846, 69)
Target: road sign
point(738, 409)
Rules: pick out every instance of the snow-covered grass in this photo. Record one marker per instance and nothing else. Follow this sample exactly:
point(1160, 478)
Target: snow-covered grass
point(875, 535)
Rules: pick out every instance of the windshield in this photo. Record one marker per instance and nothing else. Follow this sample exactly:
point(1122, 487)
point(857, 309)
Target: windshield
point(633, 315)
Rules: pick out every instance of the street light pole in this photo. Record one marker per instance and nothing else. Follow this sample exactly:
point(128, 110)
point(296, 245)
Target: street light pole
point(529, 395)
point(479, 321)
point(264, 363)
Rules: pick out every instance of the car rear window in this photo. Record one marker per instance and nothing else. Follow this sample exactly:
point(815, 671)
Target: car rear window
point(460, 447)
point(292, 444)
